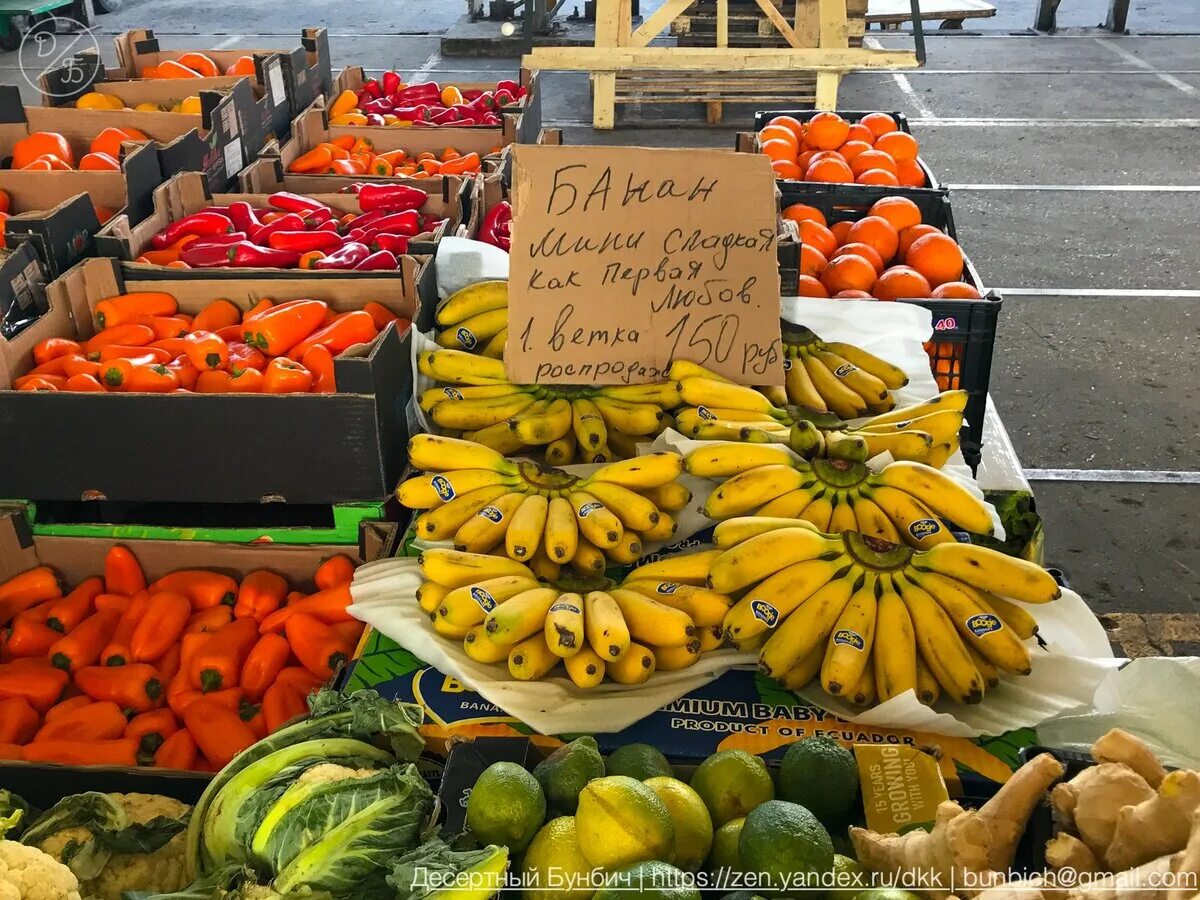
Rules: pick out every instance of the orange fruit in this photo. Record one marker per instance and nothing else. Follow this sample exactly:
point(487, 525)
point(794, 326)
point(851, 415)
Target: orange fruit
point(872, 159)
point(800, 212)
point(786, 169)
point(898, 144)
point(779, 133)
point(910, 173)
point(778, 150)
point(817, 235)
point(937, 257)
point(851, 149)
point(900, 211)
point(795, 126)
point(910, 234)
point(805, 159)
point(841, 231)
point(878, 123)
point(956, 290)
point(812, 261)
point(860, 132)
point(900, 282)
point(848, 273)
point(829, 170)
point(852, 295)
point(866, 251)
point(807, 286)
point(826, 131)
point(876, 232)
point(878, 176)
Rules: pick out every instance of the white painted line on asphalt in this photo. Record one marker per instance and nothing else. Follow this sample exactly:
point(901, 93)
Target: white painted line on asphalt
point(429, 65)
point(933, 122)
point(1114, 476)
point(1099, 292)
point(1141, 63)
point(1131, 188)
point(904, 84)
point(229, 42)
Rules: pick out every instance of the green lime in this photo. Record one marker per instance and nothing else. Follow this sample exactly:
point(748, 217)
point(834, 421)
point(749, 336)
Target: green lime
point(849, 879)
point(689, 815)
point(554, 867)
point(651, 880)
point(724, 853)
point(785, 846)
point(505, 806)
point(640, 761)
point(731, 783)
point(620, 821)
point(821, 775)
point(564, 772)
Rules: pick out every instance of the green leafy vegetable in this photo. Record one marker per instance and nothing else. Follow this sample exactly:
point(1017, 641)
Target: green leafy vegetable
point(434, 867)
point(213, 886)
point(14, 815)
point(141, 837)
point(74, 821)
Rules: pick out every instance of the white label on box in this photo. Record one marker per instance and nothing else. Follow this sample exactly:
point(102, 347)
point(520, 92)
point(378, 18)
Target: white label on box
point(229, 119)
point(275, 81)
point(233, 157)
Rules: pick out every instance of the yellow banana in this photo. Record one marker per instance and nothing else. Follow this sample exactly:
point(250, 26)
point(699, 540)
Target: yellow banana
point(977, 623)
point(459, 367)
point(562, 531)
point(685, 368)
point(918, 525)
point(710, 392)
point(940, 645)
point(623, 446)
point(895, 651)
point(672, 659)
point(544, 567)
point(635, 511)
point(664, 530)
point(479, 647)
point(711, 638)
point(724, 460)
point(1016, 617)
point(928, 689)
point(941, 426)
point(520, 616)
point(628, 418)
point(686, 568)
point(605, 627)
point(543, 427)
point(639, 473)
point(792, 504)
point(911, 445)
point(471, 415)
point(472, 300)
point(499, 437)
point(564, 625)
point(451, 632)
point(800, 388)
point(474, 333)
point(471, 604)
point(428, 491)
point(596, 521)
point(669, 497)
point(842, 518)
point(863, 692)
point(852, 640)
point(892, 376)
point(531, 659)
point(628, 549)
point(494, 349)
point(819, 513)
point(703, 606)
point(634, 667)
point(731, 532)
point(660, 393)
point(430, 595)
point(772, 600)
point(808, 627)
point(840, 399)
point(486, 528)
point(775, 393)
point(455, 569)
point(430, 397)
point(598, 455)
point(587, 424)
point(435, 453)
point(987, 671)
point(990, 570)
point(585, 668)
point(754, 488)
point(562, 451)
point(588, 558)
point(872, 521)
point(863, 383)
point(939, 454)
point(940, 493)
point(691, 416)
point(947, 400)
point(444, 522)
point(742, 432)
point(653, 622)
point(528, 524)
point(765, 554)
point(805, 670)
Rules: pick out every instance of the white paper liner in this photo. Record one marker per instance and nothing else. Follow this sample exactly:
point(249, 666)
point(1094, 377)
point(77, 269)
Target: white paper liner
point(462, 262)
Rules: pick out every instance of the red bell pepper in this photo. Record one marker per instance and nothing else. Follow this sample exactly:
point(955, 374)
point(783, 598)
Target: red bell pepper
point(243, 217)
point(304, 241)
point(389, 197)
point(391, 82)
point(289, 222)
point(380, 260)
point(507, 84)
point(372, 88)
point(251, 256)
point(496, 228)
point(296, 203)
point(201, 223)
point(419, 113)
point(406, 223)
point(397, 244)
point(471, 93)
point(446, 115)
point(503, 98)
point(318, 217)
point(428, 92)
point(376, 119)
point(348, 257)
point(380, 106)
point(219, 239)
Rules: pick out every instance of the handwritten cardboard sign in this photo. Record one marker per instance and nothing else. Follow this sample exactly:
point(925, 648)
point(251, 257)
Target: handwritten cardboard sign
point(624, 259)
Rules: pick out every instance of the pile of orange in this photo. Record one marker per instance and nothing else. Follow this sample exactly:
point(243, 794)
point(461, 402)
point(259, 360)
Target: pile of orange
point(828, 148)
point(888, 254)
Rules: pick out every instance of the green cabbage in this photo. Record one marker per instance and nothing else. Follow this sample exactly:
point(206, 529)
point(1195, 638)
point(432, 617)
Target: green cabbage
point(355, 857)
point(434, 869)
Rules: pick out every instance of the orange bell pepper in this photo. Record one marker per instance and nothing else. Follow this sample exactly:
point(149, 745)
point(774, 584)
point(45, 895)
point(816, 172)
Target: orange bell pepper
point(137, 687)
point(39, 686)
point(316, 160)
point(286, 376)
point(29, 636)
point(202, 587)
point(319, 650)
point(161, 626)
point(260, 594)
point(18, 721)
point(27, 589)
point(357, 327)
point(121, 752)
point(122, 572)
point(117, 603)
point(219, 732)
point(206, 351)
point(461, 165)
point(98, 721)
point(264, 664)
point(40, 144)
point(69, 705)
point(337, 569)
point(319, 361)
point(117, 651)
point(212, 382)
point(299, 679)
point(199, 63)
point(151, 730)
point(127, 335)
point(125, 308)
point(52, 348)
point(154, 378)
point(328, 605)
point(219, 662)
point(217, 314)
point(67, 612)
point(282, 327)
point(177, 752)
point(82, 647)
point(281, 704)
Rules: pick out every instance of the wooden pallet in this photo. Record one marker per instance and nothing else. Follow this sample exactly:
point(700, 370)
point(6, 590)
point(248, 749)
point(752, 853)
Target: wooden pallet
point(716, 87)
point(698, 26)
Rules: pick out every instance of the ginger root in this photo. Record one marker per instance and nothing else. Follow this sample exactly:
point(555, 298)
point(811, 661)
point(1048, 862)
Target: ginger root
point(1067, 851)
point(1119, 746)
point(1090, 803)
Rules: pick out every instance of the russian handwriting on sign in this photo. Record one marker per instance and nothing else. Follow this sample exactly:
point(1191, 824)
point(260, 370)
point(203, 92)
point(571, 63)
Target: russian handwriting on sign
point(624, 259)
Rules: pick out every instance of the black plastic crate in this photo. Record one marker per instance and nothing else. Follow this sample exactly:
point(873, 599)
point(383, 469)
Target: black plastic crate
point(960, 353)
point(763, 116)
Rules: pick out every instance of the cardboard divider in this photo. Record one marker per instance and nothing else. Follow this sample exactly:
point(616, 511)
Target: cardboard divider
point(345, 447)
point(187, 193)
point(306, 72)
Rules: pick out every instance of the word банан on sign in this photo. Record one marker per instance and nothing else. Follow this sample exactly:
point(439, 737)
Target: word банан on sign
point(624, 259)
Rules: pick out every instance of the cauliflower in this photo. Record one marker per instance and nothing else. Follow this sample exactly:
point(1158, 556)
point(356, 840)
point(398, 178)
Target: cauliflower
point(161, 871)
point(324, 772)
point(27, 873)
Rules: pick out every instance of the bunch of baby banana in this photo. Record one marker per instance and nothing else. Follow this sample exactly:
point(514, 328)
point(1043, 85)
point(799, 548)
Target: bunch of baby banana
point(904, 502)
point(476, 401)
point(475, 319)
point(541, 515)
point(830, 376)
point(872, 619)
point(503, 614)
